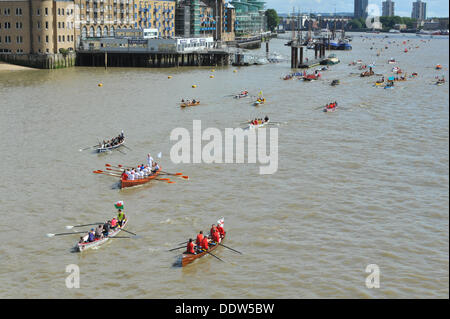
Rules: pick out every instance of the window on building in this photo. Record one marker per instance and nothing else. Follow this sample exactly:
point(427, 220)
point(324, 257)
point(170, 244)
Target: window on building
point(8, 39)
point(18, 11)
point(38, 24)
point(19, 25)
point(46, 38)
point(83, 33)
point(46, 25)
point(38, 12)
point(63, 39)
point(46, 11)
point(91, 32)
point(7, 25)
point(19, 39)
point(7, 11)
point(39, 39)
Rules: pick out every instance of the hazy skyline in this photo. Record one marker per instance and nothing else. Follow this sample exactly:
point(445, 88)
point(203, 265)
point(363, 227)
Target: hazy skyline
point(435, 8)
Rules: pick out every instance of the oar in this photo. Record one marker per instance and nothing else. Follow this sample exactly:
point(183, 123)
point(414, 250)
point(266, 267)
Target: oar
point(83, 149)
point(120, 237)
point(109, 174)
point(121, 151)
point(113, 169)
point(230, 248)
point(213, 255)
point(177, 248)
point(128, 232)
point(70, 227)
point(62, 234)
point(177, 175)
point(126, 147)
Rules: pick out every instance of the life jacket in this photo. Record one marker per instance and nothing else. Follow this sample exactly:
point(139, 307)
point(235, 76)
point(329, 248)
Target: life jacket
point(216, 236)
point(91, 236)
point(120, 216)
point(113, 222)
point(205, 243)
point(199, 239)
point(190, 248)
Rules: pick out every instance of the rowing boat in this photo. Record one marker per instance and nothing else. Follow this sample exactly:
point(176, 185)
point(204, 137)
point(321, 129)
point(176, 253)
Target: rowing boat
point(109, 148)
point(135, 182)
point(190, 104)
point(188, 258)
point(88, 245)
point(253, 126)
point(330, 109)
point(259, 101)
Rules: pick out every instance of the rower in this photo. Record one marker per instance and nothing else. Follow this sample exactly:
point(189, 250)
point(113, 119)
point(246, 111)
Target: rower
point(266, 119)
point(113, 223)
point(91, 235)
point(213, 229)
point(99, 232)
point(216, 236)
point(121, 217)
point(190, 247)
point(205, 243)
point(106, 228)
point(124, 175)
point(199, 239)
point(155, 167)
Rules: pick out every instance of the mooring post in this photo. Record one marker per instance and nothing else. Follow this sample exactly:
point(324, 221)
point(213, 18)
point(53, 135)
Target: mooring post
point(106, 60)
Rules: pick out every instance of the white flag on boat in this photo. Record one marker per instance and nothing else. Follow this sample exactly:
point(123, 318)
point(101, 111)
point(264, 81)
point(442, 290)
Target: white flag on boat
point(220, 221)
point(159, 155)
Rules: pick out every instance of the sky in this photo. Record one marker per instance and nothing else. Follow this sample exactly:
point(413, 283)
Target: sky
point(435, 8)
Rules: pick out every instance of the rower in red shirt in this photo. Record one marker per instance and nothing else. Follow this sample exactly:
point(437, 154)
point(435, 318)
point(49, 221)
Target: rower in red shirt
point(212, 230)
point(205, 245)
point(200, 236)
point(216, 236)
point(190, 247)
point(221, 230)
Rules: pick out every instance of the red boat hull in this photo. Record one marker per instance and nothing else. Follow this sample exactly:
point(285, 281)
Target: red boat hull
point(135, 182)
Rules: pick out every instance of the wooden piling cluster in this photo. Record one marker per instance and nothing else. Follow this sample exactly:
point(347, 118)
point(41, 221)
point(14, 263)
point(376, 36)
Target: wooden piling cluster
point(297, 55)
point(152, 60)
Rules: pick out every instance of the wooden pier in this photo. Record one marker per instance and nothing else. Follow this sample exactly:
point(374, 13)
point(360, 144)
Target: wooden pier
point(297, 55)
point(152, 60)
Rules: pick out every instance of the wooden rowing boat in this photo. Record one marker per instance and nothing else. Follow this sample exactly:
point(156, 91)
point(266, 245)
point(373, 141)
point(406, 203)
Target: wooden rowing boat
point(135, 182)
point(188, 258)
point(190, 104)
point(110, 148)
point(88, 245)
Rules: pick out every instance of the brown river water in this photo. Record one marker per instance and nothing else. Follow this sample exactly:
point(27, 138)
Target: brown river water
point(368, 184)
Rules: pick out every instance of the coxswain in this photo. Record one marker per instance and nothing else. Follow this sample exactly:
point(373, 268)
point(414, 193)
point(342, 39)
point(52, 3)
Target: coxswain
point(190, 247)
point(266, 119)
point(199, 239)
point(150, 160)
point(124, 176)
point(220, 230)
point(120, 217)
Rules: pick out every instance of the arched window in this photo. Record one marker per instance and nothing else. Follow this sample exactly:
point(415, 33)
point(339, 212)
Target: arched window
point(105, 31)
point(91, 32)
point(83, 33)
point(111, 31)
point(98, 33)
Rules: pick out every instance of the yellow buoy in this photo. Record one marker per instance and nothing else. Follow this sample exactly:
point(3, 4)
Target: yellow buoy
point(211, 76)
point(235, 71)
point(194, 86)
point(213, 70)
point(169, 77)
point(100, 84)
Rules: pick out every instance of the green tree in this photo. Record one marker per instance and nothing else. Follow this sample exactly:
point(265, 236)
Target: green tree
point(355, 24)
point(272, 19)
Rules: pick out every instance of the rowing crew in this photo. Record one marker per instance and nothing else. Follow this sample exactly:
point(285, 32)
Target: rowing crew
point(103, 230)
point(142, 171)
point(114, 141)
point(259, 121)
point(188, 101)
point(202, 242)
point(331, 105)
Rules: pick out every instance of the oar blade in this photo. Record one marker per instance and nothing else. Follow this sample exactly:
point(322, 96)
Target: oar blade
point(49, 235)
